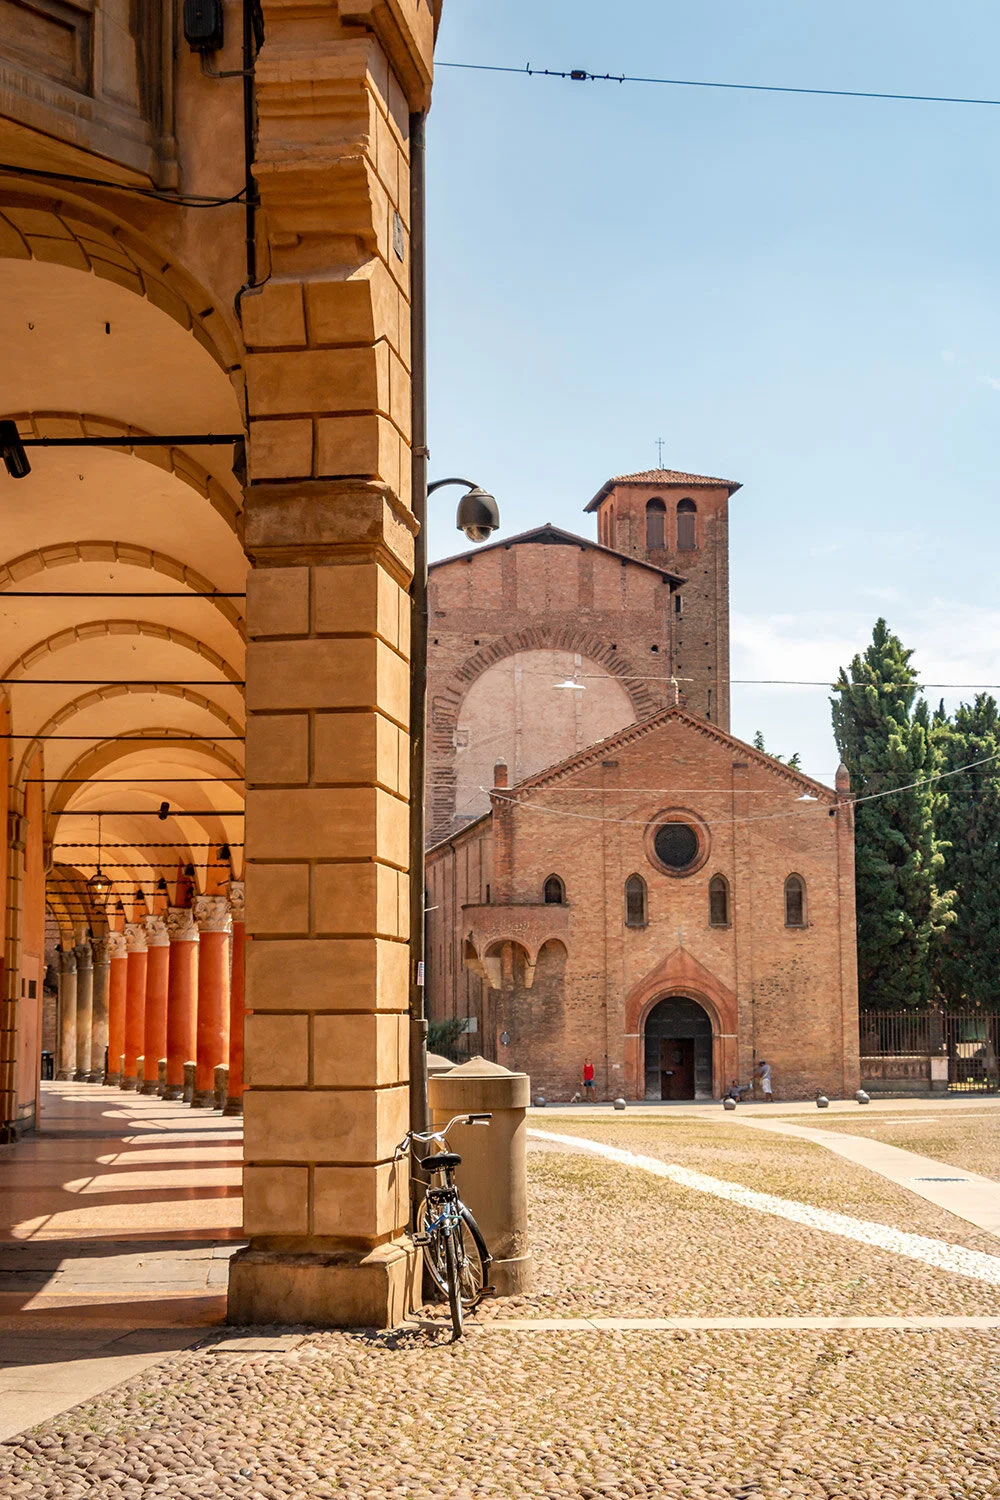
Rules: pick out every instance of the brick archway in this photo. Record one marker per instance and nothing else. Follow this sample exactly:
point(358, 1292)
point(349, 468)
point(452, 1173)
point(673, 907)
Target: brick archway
point(447, 697)
point(681, 976)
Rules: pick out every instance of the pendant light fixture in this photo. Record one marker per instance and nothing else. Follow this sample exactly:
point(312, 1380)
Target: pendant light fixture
point(99, 885)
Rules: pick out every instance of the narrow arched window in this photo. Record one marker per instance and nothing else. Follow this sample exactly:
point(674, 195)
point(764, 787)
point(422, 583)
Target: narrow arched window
point(656, 524)
point(795, 901)
point(686, 512)
point(718, 901)
point(635, 902)
point(554, 891)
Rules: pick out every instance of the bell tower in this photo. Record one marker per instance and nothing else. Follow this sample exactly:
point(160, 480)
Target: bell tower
point(681, 522)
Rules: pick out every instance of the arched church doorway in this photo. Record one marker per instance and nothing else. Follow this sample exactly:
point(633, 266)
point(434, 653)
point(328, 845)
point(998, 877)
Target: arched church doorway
point(678, 1047)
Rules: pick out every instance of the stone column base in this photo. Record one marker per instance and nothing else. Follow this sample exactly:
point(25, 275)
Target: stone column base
point(65, 1075)
point(95, 1077)
point(203, 1099)
point(173, 1091)
point(233, 1106)
point(148, 1086)
point(512, 1277)
point(112, 1080)
point(325, 1290)
point(129, 1084)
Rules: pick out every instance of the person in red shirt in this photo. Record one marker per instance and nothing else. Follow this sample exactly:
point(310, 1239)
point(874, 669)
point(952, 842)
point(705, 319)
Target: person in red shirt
point(588, 1079)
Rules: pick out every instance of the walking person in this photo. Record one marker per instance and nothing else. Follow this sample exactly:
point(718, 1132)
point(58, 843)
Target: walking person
point(588, 1081)
point(764, 1071)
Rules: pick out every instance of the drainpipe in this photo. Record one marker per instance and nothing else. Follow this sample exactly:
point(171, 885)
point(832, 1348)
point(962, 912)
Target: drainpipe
point(419, 1112)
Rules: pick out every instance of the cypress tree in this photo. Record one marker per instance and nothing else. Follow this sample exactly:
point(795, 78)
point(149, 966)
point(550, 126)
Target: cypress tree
point(886, 740)
point(969, 823)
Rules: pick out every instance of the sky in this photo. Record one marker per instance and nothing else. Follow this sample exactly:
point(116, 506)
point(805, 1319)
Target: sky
point(797, 293)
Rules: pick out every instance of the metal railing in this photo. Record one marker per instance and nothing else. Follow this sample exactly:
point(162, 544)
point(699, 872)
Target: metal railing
point(908, 1039)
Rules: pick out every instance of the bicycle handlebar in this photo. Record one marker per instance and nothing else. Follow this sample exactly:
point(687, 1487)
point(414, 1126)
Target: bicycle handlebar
point(438, 1135)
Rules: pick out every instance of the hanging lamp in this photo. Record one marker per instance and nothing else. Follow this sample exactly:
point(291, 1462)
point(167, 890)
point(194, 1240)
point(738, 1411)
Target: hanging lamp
point(99, 885)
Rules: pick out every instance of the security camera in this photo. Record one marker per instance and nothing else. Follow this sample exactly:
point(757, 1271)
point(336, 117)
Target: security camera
point(478, 515)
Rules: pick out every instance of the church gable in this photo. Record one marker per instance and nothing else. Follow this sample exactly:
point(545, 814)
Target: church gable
point(674, 739)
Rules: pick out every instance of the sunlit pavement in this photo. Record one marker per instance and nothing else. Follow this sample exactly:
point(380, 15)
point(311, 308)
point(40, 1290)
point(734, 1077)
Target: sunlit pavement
point(118, 1219)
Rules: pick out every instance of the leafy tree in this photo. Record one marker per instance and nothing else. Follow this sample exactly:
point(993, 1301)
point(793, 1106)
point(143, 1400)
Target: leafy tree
point(969, 822)
point(442, 1036)
point(886, 740)
point(794, 762)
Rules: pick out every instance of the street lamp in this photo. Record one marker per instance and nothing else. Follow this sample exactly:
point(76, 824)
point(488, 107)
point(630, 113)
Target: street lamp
point(478, 516)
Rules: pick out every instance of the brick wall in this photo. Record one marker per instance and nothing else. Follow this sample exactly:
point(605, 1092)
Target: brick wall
point(774, 991)
point(539, 609)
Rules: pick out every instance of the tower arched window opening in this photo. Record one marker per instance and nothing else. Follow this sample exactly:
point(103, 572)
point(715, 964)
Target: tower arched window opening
point(636, 912)
point(554, 891)
point(795, 901)
point(656, 524)
point(718, 901)
point(686, 513)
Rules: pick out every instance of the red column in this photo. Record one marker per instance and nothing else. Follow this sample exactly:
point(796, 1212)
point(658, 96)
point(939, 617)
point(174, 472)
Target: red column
point(237, 1003)
point(214, 923)
point(182, 998)
point(117, 985)
point(157, 974)
point(135, 1003)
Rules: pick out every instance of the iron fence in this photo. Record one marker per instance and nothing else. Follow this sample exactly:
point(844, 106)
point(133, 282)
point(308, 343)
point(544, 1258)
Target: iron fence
point(908, 1040)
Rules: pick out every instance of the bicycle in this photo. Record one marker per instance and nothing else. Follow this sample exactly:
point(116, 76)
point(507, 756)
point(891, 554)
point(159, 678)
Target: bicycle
point(455, 1252)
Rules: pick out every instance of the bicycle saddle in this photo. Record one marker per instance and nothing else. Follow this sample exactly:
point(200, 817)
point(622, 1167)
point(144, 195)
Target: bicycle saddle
point(443, 1159)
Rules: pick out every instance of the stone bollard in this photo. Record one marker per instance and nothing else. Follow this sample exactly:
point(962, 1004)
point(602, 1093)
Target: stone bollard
point(161, 1077)
point(221, 1076)
point(493, 1177)
point(189, 1072)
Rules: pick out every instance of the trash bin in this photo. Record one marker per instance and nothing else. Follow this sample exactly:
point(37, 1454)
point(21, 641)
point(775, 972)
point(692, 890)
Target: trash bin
point(493, 1177)
point(48, 1065)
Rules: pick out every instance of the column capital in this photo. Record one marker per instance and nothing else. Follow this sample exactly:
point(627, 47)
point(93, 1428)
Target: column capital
point(67, 960)
point(237, 895)
point(181, 925)
point(84, 956)
point(135, 937)
point(117, 946)
point(102, 951)
point(212, 914)
point(157, 935)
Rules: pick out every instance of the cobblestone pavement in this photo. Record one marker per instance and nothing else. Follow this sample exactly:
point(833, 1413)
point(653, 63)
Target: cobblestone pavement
point(971, 1142)
point(768, 1413)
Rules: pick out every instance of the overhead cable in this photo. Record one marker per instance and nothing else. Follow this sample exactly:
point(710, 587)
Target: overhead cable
point(161, 195)
point(582, 75)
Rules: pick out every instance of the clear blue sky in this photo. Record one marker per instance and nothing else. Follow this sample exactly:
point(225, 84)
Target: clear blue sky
point(798, 293)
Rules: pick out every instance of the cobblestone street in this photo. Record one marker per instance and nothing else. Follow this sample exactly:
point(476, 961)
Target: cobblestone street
point(768, 1409)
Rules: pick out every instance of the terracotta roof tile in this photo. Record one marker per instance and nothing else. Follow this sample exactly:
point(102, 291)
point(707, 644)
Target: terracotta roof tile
point(664, 476)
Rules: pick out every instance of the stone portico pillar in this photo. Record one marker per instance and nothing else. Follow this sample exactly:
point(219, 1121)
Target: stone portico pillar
point(182, 997)
point(237, 1002)
point(135, 1003)
point(84, 1010)
point(99, 1028)
point(117, 988)
point(214, 925)
point(157, 975)
point(67, 1014)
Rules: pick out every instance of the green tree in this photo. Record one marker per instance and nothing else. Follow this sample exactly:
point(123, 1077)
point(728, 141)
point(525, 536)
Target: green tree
point(886, 740)
point(969, 822)
point(794, 762)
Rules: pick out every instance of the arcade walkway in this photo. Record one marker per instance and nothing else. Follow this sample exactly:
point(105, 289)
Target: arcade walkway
point(118, 1219)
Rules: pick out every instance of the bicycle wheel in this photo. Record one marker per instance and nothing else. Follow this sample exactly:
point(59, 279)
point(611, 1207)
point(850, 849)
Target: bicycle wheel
point(454, 1283)
point(473, 1258)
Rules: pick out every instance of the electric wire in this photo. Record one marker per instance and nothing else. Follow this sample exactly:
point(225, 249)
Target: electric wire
point(161, 195)
point(583, 75)
point(831, 808)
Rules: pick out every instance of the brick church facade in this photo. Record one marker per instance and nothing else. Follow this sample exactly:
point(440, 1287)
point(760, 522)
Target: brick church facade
point(612, 875)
